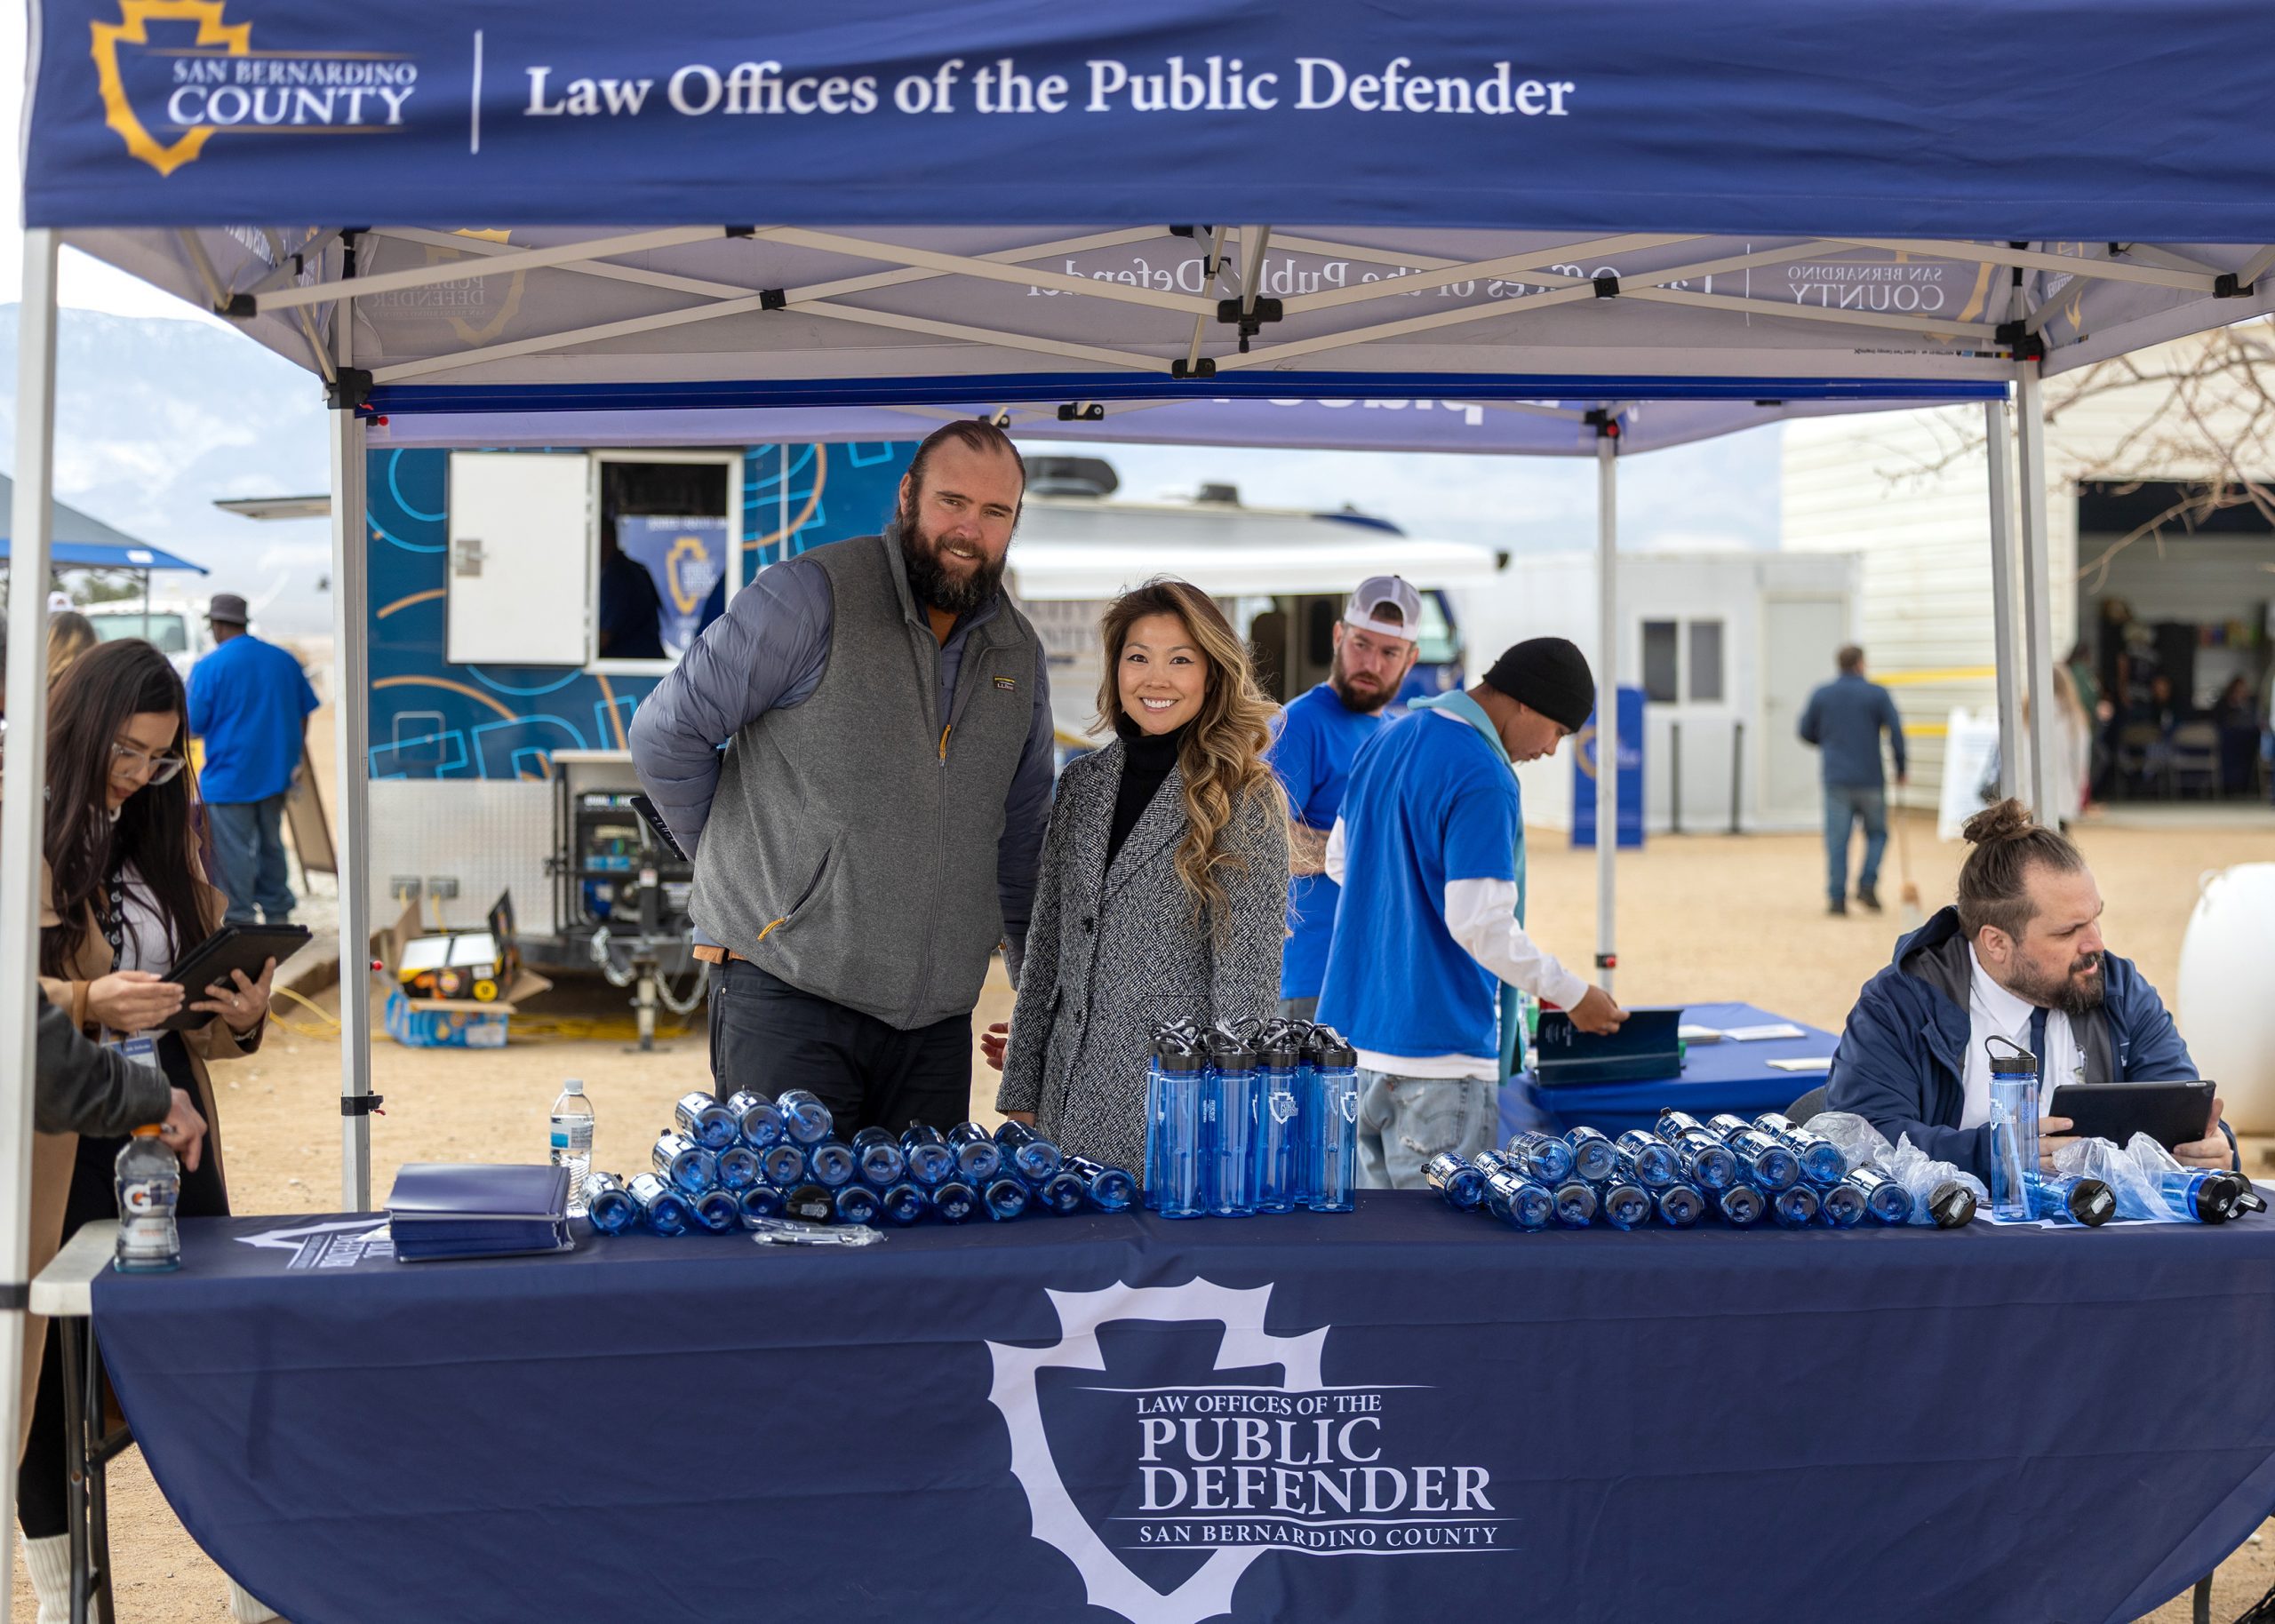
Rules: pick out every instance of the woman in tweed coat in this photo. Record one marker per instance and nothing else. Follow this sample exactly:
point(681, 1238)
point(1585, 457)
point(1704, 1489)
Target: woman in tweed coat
point(1164, 883)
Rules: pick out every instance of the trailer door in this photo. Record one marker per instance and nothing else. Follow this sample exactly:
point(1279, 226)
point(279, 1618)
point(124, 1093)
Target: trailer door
point(519, 538)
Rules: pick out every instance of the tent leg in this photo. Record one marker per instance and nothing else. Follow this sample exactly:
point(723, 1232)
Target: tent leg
point(2048, 798)
point(1607, 705)
point(21, 818)
point(351, 784)
point(2014, 753)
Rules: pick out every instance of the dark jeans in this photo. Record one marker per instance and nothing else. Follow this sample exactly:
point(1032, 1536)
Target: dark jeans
point(249, 850)
point(1845, 805)
point(767, 1036)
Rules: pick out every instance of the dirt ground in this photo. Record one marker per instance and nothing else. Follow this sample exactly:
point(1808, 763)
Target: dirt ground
point(1701, 918)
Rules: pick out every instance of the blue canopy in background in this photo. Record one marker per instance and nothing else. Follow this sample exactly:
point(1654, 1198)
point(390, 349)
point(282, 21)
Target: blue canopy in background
point(91, 555)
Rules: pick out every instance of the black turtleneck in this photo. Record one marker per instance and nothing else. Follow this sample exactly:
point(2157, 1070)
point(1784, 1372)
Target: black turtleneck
point(1147, 758)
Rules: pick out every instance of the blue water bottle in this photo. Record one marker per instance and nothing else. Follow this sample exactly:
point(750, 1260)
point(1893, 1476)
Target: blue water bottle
point(805, 1119)
point(611, 1209)
point(2192, 1193)
point(1656, 1166)
point(690, 1167)
point(755, 1119)
point(1163, 1041)
point(1308, 1109)
point(979, 1161)
point(760, 1201)
point(1061, 1194)
point(1518, 1201)
point(784, 1164)
point(738, 1168)
point(1681, 1204)
point(1175, 1187)
point(1594, 1155)
point(1004, 1197)
point(857, 1203)
point(1232, 1092)
point(2065, 1200)
point(1576, 1202)
point(1740, 1205)
point(954, 1200)
point(1622, 1199)
point(904, 1203)
point(1795, 1206)
point(1887, 1201)
point(1767, 1162)
point(1336, 1169)
point(1841, 1205)
point(1279, 1123)
point(1822, 1162)
point(831, 1165)
point(878, 1152)
point(1033, 1158)
point(1110, 1189)
point(1706, 1161)
point(719, 1211)
point(2014, 1128)
point(1451, 1176)
point(1541, 1156)
point(929, 1160)
point(705, 1121)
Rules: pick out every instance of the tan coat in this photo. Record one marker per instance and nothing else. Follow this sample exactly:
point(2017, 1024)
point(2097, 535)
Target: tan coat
point(54, 1155)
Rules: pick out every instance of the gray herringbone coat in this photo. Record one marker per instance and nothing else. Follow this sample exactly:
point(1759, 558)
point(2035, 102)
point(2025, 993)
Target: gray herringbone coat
point(1113, 953)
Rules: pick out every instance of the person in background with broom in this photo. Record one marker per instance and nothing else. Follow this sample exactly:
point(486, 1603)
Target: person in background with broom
point(1843, 720)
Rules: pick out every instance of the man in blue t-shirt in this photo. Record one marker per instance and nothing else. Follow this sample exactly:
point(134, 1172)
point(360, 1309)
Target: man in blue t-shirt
point(1313, 745)
point(249, 701)
point(1429, 851)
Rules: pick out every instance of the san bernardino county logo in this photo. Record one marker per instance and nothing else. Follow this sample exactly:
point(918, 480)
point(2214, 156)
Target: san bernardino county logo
point(1228, 1469)
point(178, 68)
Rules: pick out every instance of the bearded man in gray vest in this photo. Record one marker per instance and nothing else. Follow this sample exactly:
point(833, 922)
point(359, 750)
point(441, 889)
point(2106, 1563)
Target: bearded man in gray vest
point(874, 826)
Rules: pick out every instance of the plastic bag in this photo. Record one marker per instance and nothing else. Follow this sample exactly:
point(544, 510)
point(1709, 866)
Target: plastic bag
point(2135, 1174)
point(1906, 1163)
point(798, 1232)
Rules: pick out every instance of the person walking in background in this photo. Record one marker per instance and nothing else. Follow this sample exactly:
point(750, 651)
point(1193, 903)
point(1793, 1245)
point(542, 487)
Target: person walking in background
point(1429, 849)
point(249, 701)
point(1844, 720)
point(1164, 878)
point(1314, 744)
point(70, 635)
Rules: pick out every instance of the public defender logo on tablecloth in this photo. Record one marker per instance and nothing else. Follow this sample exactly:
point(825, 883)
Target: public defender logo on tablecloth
point(1160, 1473)
point(175, 65)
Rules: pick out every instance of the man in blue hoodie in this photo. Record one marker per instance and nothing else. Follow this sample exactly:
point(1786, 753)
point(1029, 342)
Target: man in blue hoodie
point(2020, 958)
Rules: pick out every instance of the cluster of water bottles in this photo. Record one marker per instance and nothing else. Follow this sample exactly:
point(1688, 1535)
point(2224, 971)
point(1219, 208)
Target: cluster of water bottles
point(1251, 1117)
point(1726, 1167)
point(728, 1166)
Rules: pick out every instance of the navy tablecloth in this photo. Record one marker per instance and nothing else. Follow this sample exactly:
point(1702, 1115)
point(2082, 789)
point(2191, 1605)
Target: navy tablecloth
point(1715, 1076)
point(1399, 1413)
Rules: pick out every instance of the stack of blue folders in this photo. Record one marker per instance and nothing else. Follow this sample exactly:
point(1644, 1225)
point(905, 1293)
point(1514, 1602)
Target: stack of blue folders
point(445, 1210)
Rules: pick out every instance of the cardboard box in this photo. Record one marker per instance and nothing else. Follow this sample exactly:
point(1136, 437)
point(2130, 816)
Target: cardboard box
point(455, 1022)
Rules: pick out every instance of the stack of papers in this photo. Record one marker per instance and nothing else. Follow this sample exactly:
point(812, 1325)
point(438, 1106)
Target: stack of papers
point(452, 1210)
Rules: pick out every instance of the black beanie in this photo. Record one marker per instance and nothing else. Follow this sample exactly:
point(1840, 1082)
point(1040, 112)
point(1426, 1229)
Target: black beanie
point(1551, 675)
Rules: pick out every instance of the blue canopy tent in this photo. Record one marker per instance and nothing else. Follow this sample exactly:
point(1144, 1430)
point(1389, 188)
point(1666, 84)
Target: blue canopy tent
point(92, 555)
point(1090, 220)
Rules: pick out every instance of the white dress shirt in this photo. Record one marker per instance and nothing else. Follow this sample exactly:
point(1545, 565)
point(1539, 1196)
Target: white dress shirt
point(1994, 1012)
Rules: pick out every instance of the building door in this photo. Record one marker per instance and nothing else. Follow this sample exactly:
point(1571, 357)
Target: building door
point(1800, 638)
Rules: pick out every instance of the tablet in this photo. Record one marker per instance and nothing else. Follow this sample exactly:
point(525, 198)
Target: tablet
point(232, 947)
point(2170, 1113)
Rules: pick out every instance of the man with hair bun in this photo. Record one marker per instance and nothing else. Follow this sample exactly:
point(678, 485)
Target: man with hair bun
point(2019, 956)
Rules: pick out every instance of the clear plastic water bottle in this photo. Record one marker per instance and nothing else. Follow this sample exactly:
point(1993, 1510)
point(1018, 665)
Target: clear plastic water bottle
point(1232, 1090)
point(686, 1163)
point(1767, 1162)
point(1005, 1197)
point(2014, 1128)
point(149, 1183)
point(1515, 1199)
point(2066, 1200)
point(2199, 1195)
point(738, 1168)
point(929, 1160)
point(1575, 1203)
point(1033, 1157)
point(1540, 1155)
point(1622, 1199)
point(662, 1208)
point(1149, 1173)
point(783, 1165)
point(704, 1120)
point(1451, 1176)
point(1822, 1162)
point(857, 1204)
point(1887, 1201)
point(1741, 1205)
point(1307, 1109)
point(1795, 1206)
point(755, 1119)
point(1110, 1189)
point(760, 1201)
point(719, 1211)
point(1656, 1166)
point(954, 1200)
point(979, 1159)
point(805, 1119)
point(609, 1204)
point(1681, 1204)
point(1707, 1162)
point(1061, 1194)
point(1279, 1122)
point(830, 1165)
point(1841, 1205)
point(1336, 1167)
point(1175, 1187)
point(1594, 1155)
point(904, 1203)
point(571, 1139)
point(882, 1166)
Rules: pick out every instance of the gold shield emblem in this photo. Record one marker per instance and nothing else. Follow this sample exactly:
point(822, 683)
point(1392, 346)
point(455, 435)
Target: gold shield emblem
point(132, 29)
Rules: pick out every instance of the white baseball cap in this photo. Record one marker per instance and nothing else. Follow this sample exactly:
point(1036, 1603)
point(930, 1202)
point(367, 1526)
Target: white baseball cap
point(1380, 592)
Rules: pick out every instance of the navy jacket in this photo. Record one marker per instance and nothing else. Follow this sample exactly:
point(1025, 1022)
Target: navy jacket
point(1844, 719)
point(1901, 1062)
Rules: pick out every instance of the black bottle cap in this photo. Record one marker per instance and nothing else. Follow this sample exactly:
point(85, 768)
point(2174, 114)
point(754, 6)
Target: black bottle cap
point(2014, 1061)
point(1182, 1060)
point(1231, 1053)
point(2091, 1204)
point(810, 1202)
point(1279, 1050)
point(1952, 1205)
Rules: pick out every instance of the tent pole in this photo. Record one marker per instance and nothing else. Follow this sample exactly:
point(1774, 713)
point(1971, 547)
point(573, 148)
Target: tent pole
point(1607, 698)
point(2047, 797)
point(21, 818)
point(351, 785)
point(2012, 753)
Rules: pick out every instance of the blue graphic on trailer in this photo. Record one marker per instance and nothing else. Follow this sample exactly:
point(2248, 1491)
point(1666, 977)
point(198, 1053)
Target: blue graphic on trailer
point(433, 720)
point(686, 557)
point(1630, 775)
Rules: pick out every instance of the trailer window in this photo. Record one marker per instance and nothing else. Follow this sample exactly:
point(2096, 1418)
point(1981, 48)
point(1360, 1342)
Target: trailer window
point(1662, 670)
point(1706, 662)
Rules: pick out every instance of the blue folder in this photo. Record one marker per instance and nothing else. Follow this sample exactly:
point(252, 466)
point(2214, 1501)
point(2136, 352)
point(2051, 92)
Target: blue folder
point(451, 1209)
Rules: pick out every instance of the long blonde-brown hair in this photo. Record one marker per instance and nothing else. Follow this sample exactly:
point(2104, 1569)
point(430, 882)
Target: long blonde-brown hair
point(1221, 758)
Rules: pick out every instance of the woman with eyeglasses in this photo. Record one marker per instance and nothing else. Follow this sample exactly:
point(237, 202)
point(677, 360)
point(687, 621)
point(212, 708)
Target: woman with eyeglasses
point(125, 899)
